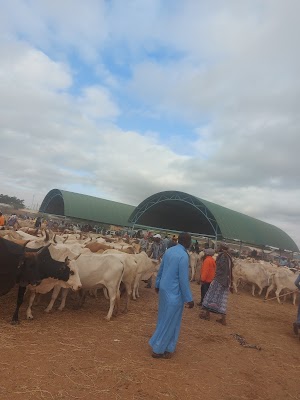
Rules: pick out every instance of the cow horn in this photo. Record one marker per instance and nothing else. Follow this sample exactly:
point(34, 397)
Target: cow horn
point(76, 258)
point(54, 239)
point(66, 239)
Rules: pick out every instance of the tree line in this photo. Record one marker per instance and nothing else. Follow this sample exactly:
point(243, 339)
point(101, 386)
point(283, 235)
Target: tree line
point(12, 201)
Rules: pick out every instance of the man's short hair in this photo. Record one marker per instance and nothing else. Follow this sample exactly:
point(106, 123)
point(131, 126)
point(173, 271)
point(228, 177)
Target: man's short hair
point(184, 238)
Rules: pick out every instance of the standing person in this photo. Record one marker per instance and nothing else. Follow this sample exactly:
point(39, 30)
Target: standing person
point(217, 295)
point(13, 221)
point(156, 252)
point(144, 243)
point(296, 325)
point(172, 242)
point(166, 241)
point(172, 285)
point(38, 222)
point(208, 272)
point(2, 221)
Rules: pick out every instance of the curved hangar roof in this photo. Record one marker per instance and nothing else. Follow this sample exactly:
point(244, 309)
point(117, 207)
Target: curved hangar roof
point(183, 212)
point(69, 204)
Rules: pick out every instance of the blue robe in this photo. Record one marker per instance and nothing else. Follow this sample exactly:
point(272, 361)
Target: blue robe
point(174, 290)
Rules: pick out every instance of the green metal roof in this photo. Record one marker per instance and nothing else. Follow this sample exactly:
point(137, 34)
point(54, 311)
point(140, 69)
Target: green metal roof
point(69, 204)
point(180, 211)
point(170, 210)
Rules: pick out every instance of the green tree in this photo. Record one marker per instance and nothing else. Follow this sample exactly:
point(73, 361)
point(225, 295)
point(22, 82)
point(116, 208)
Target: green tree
point(12, 201)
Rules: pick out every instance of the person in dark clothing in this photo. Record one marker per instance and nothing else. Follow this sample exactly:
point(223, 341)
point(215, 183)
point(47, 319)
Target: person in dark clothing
point(217, 295)
point(38, 222)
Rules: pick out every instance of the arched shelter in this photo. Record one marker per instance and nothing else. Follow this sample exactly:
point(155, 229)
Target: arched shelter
point(180, 211)
point(88, 208)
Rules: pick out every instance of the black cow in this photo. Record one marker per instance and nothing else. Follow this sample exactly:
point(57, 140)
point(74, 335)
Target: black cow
point(13, 269)
point(47, 268)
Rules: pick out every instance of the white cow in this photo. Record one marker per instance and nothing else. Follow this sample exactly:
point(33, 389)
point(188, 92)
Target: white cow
point(283, 279)
point(134, 271)
point(98, 271)
point(145, 267)
point(193, 260)
point(253, 273)
point(130, 271)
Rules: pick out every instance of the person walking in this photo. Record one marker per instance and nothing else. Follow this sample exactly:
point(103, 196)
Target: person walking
point(208, 272)
point(156, 252)
point(172, 285)
point(144, 243)
point(38, 223)
point(217, 295)
point(296, 325)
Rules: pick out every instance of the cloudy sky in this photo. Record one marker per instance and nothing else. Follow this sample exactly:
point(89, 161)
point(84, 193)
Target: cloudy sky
point(122, 99)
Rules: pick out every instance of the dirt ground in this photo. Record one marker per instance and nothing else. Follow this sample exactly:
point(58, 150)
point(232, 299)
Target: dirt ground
point(76, 354)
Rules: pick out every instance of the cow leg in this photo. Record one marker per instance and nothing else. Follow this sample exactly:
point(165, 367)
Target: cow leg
point(55, 293)
point(28, 311)
point(20, 298)
point(135, 287)
point(112, 300)
point(253, 289)
point(260, 291)
point(192, 273)
point(65, 292)
point(128, 287)
point(271, 287)
point(234, 284)
point(105, 292)
point(294, 298)
point(82, 294)
point(277, 293)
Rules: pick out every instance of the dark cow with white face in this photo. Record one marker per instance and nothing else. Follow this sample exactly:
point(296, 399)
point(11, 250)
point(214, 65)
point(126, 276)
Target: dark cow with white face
point(13, 269)
point(51, 273)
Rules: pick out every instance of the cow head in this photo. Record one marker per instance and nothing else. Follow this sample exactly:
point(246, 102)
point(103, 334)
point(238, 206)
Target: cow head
point(74, 280)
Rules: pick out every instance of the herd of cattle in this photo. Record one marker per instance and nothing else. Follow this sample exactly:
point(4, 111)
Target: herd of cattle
point(260, 274)
point(46, 261)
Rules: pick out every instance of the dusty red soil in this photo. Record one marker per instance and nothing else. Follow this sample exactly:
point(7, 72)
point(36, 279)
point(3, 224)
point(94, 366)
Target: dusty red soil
point(78, 355)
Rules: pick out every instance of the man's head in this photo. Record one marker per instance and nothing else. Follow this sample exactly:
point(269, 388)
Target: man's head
point(185, 239)
point(1, 214)
point(222, 246)
point(209, 252)
point(157, 238)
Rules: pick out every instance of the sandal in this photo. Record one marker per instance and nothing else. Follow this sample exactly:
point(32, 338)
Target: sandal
point(203, 316)
point(220, 321)
point(157, 355)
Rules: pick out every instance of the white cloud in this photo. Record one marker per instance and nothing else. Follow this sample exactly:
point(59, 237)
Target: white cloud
point(228, 70)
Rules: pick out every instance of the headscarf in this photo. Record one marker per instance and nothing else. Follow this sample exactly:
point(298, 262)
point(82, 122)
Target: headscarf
point(224, 266)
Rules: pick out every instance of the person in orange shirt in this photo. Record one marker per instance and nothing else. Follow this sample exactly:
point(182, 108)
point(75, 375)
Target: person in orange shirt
point(207, 273)
point(2, 221)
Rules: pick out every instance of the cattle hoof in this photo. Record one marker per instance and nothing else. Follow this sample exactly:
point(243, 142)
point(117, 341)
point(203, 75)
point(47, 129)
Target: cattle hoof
point(60, 309)
point(15, 322)
point(46, 310)
point(107, 319)
point(29, 318)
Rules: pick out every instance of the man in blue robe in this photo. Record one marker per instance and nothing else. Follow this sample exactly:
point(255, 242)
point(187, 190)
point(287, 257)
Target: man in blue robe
point(173, 286)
